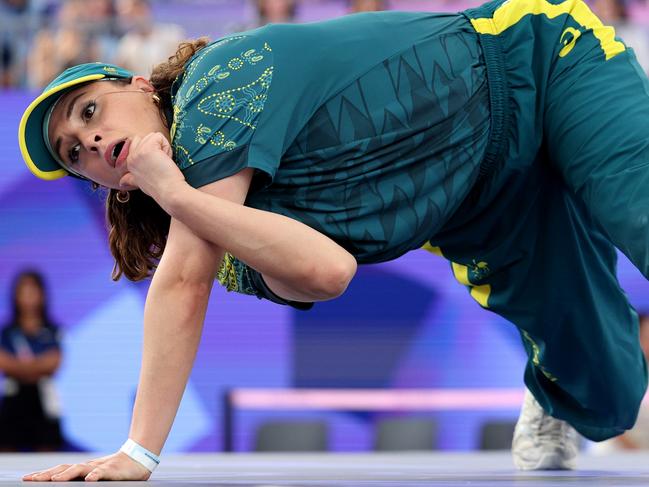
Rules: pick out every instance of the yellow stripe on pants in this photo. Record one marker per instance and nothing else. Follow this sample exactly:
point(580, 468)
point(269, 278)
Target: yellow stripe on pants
point(512, 11)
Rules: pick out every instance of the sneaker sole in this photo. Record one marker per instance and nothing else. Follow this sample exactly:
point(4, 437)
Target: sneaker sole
point(548, 462)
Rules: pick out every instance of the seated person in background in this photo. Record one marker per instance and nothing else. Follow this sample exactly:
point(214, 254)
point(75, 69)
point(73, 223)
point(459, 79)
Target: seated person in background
point(262, 12)
point(145, 42)
point(82, 32)
point(367, 5)
point(275, 11)
point(616, 14)
point(30, 354)
point(15, 18)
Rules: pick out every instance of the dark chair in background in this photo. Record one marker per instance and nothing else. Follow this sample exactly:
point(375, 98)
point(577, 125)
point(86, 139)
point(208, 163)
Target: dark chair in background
point(293, 436)
point(497, 435)
point(399, 434)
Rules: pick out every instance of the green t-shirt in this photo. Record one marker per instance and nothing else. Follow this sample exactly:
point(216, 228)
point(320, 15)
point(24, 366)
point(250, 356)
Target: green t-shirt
point(369, 128)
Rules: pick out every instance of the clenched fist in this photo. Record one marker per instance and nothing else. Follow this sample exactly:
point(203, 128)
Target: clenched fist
point(150, 166)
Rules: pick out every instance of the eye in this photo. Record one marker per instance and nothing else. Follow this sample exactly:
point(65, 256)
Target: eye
point(88, 110)
point(73, 154)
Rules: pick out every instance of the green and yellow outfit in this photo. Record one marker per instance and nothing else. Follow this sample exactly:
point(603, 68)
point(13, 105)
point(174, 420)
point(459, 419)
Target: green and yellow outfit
point(511, 139)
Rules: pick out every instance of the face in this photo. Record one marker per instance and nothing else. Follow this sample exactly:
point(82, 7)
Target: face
point(608, 10)
point(28, 294)
point(276, 10)
point(91, 127)
point(97, 9)
point(133, 13)
point(367, 5)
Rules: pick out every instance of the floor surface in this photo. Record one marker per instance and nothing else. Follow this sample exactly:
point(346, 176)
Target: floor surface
point(354, 470)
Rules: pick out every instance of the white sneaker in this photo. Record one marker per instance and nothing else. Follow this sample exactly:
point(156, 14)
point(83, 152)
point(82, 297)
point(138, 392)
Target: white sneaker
point(542, 442)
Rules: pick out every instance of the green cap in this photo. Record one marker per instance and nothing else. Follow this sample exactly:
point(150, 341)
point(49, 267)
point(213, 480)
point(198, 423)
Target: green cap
point(32, 132)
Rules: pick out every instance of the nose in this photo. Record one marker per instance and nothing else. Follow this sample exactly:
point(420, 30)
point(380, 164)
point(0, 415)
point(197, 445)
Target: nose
point(90, 142)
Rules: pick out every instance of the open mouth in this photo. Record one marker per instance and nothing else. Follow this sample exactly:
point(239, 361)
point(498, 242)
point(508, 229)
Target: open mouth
point(116, 150)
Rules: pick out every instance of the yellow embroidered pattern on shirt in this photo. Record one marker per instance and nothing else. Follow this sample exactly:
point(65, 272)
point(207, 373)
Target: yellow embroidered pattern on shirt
point(205, 135)
point(241, 105)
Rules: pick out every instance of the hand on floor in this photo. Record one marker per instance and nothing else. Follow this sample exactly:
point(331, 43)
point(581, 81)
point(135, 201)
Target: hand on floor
point(113, 467)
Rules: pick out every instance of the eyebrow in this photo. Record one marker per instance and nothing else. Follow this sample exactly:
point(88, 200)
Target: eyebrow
point(71, 104)
point(57, 147)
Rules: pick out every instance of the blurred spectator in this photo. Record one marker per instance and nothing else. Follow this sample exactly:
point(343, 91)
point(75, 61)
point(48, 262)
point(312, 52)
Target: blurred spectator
point(30, 354)
point(145, 43)
point(6, 64)
point(18, 20)
point(262, 12)
point(615, 13)
point(99, 20)
point(84, 32)
point(275, 11)
point(610, 11)
point(367, 5)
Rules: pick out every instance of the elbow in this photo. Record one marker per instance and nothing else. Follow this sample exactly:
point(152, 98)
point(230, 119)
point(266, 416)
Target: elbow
point(57, 364)
point(192, 297)
point(196, 294)
point(330, 281)
point(54, 368)
point(50, 363)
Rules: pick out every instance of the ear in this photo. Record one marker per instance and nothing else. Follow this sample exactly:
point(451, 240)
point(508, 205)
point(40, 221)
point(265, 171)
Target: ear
point(141, 83)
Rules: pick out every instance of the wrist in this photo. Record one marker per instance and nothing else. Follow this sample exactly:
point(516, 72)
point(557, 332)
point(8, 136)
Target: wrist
point(146, 441)
point(174, 197)
point(141, 455)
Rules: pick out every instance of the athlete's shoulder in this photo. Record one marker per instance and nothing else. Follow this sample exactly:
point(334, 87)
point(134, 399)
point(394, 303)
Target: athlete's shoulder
point(227, 60)
point(220, 97)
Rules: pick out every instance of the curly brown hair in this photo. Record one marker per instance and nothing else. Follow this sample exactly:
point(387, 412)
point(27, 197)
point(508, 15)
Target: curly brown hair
point(138, 229)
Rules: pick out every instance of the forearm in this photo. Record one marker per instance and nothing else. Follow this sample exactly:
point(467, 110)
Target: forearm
point(173, 320)
point(48, 363)
point(8, 363)
point(22, 370)
point(277, 246)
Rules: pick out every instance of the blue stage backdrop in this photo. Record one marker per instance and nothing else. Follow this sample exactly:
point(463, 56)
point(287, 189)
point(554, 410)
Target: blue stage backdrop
point(403, 324)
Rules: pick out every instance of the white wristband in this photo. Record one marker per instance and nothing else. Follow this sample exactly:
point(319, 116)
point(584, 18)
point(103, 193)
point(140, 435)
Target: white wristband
point(141, 455)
